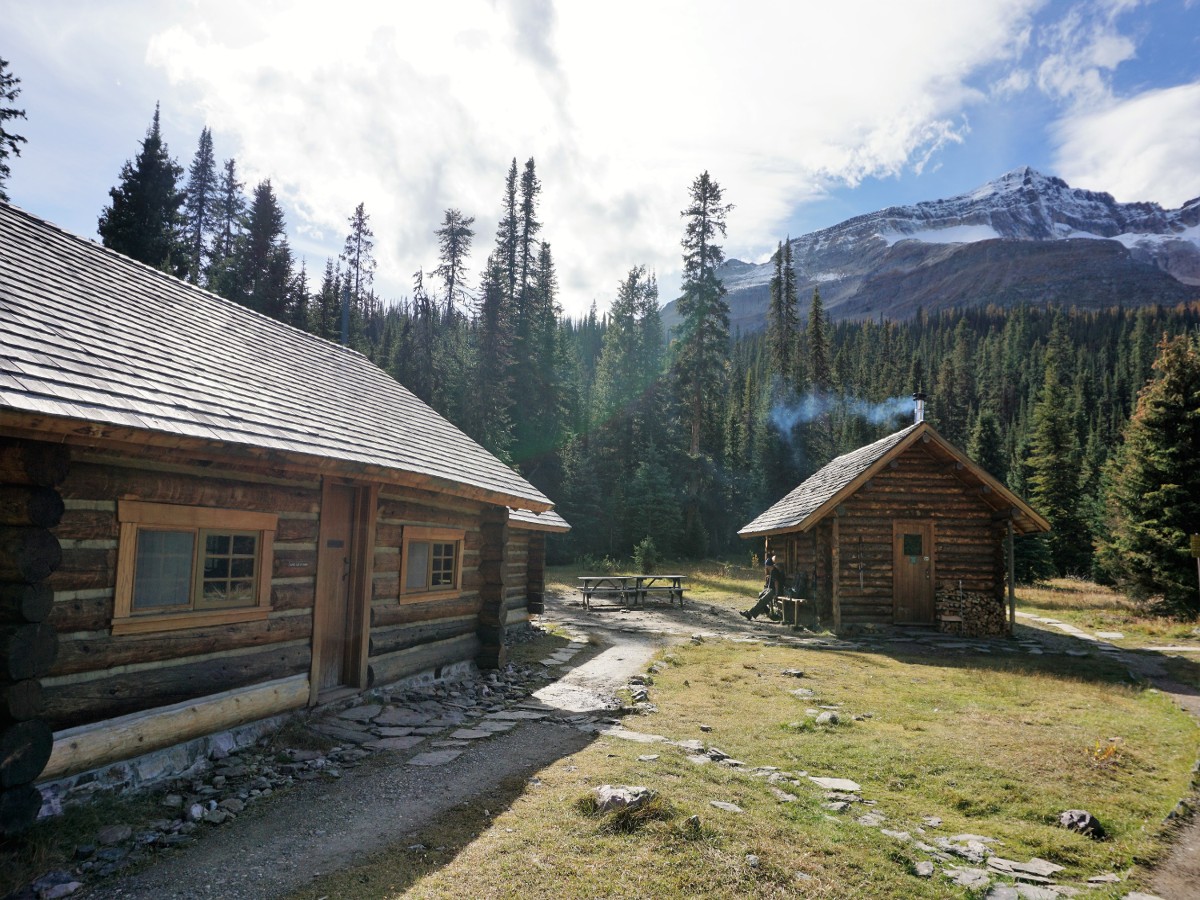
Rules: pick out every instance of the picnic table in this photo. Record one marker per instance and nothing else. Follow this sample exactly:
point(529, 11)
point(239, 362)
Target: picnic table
point(631, 590)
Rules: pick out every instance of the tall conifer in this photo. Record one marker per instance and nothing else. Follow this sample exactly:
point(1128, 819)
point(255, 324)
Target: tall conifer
point(142, 219)
point(202, 207)
point(10, 143)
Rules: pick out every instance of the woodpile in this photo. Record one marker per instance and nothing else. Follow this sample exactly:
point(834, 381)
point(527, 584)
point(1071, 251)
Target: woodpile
point(29, 507)
point(970, 614)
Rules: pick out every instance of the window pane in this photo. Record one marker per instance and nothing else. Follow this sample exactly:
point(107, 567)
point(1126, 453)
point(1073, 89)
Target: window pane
point(912, 545)
point(230, 563)
point(163, 571)
point(442, 570)
point(417, 567)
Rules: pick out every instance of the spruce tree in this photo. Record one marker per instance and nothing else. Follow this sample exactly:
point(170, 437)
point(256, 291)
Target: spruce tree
point(202, 207)
point(10, 144)
point(1154, 499)
point(454, 247)
point(781, 316)
point(262, 262)
point(703, 345)
point(143, 219)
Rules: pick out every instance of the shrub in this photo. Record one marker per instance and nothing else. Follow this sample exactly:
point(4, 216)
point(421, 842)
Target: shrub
point(645, 556)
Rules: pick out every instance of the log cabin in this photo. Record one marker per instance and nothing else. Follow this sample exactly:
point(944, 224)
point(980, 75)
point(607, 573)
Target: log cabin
point(208, 517)
point(904, 531)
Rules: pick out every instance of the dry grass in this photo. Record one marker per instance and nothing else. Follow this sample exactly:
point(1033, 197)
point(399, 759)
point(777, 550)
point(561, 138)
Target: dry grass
point(1097, 608)
point(993, 746)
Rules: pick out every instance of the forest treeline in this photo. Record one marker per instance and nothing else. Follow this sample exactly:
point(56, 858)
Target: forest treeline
point(682, 438)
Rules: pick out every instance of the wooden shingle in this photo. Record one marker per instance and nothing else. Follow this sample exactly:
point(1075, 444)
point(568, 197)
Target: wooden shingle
point(91, 336)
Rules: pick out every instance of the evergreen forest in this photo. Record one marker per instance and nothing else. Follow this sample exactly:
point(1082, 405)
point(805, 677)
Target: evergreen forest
point(683, 437)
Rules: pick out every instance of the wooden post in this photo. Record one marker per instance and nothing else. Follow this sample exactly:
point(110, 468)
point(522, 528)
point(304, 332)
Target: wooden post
point(536, 578)
point(493, 565)
point(835, 575)
point(1012, 580)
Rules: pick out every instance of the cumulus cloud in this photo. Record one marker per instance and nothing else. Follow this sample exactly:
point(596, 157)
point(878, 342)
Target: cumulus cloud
point(415, 108)
point(1141, 148)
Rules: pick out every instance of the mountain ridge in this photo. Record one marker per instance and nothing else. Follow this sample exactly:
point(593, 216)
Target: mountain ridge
point(1024, 237)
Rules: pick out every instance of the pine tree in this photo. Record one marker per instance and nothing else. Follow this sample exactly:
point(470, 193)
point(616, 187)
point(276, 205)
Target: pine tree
point(454, 247)
point(703, 345)
point(143, 219)
point(202, 207)
point(1154, 500)
point(781, 316)
point(508, 240)
point(10, 144)
point(325, 311)
point(262, 262)
point(1054, 464)
point(985, 447)
point(489, 420)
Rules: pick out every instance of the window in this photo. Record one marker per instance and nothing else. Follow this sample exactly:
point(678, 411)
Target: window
point(431, 562)
point(188, 566)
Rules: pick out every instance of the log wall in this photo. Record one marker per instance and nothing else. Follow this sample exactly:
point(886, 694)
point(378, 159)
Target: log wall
point(98, 675)
point(30, 507)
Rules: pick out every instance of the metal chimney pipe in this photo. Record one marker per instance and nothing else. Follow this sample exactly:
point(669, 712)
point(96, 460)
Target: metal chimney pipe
point(919, 403)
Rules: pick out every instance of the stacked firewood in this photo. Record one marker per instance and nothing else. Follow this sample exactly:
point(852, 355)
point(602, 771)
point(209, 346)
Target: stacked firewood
point(970, 614)
point(29, 507)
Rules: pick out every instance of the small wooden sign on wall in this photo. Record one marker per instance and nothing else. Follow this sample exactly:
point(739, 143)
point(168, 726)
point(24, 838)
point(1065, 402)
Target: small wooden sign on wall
point(1196, 545)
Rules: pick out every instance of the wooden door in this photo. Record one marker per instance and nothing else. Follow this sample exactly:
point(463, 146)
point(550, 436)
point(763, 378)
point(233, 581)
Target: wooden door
point(912, 572)
point(335, 556)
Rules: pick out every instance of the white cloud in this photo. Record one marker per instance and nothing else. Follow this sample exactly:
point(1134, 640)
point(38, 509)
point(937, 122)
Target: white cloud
point(414, 108)
point(1083, 49)
point(1141, 148)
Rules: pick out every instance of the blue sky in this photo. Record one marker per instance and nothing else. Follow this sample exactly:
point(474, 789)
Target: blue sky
point(805, 113)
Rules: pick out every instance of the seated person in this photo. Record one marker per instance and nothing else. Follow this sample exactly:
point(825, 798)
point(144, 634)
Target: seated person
point(769, 592)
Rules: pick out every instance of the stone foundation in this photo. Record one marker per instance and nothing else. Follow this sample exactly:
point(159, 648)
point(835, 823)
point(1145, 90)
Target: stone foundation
point(970, 615)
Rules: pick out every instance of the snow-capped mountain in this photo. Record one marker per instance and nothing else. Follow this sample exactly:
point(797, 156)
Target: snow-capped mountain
point(1024, 237)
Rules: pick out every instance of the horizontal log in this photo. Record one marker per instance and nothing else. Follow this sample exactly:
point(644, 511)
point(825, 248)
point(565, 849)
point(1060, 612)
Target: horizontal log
point(293, 596)
point(24, 749)
point(389, 640)
point(81, 702)
point(91, 481)
point(86, 747)
point(85, 569)
point(21, 603)
point(88, 525)
point(28, 554)
point(21, 700)
point(82, 614)
point(33, 462)
point(294, 563)
point(27, 651)
point(19, 808)
point(383, 670)
point(386, 615)
point(104, 651)
point(41, 507)
point(296, 530)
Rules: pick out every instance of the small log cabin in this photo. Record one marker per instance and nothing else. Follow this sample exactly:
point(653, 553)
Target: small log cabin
point(208, 517)
point(904, 531)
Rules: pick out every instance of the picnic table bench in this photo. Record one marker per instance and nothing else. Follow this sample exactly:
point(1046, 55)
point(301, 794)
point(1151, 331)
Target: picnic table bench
point(631, 590)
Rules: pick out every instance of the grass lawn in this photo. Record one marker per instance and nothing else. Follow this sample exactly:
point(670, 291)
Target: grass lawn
point(992, 746)
point(1096, 608)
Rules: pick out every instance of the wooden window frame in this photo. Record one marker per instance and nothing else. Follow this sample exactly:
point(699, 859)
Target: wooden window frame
point(423, 535)
point(134, 515)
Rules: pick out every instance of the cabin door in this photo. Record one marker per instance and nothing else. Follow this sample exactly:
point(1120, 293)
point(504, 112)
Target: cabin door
point(332, 640)
point(912, 572)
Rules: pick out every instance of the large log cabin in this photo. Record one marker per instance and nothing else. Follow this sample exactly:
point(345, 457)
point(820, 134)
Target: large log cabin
point(208, 517)
point(904, 531)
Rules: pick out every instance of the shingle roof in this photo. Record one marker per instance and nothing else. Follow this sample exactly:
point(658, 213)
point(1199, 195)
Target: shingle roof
point(91, 335)
point(841, 478)
point(820, 487)
point(531, 521)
